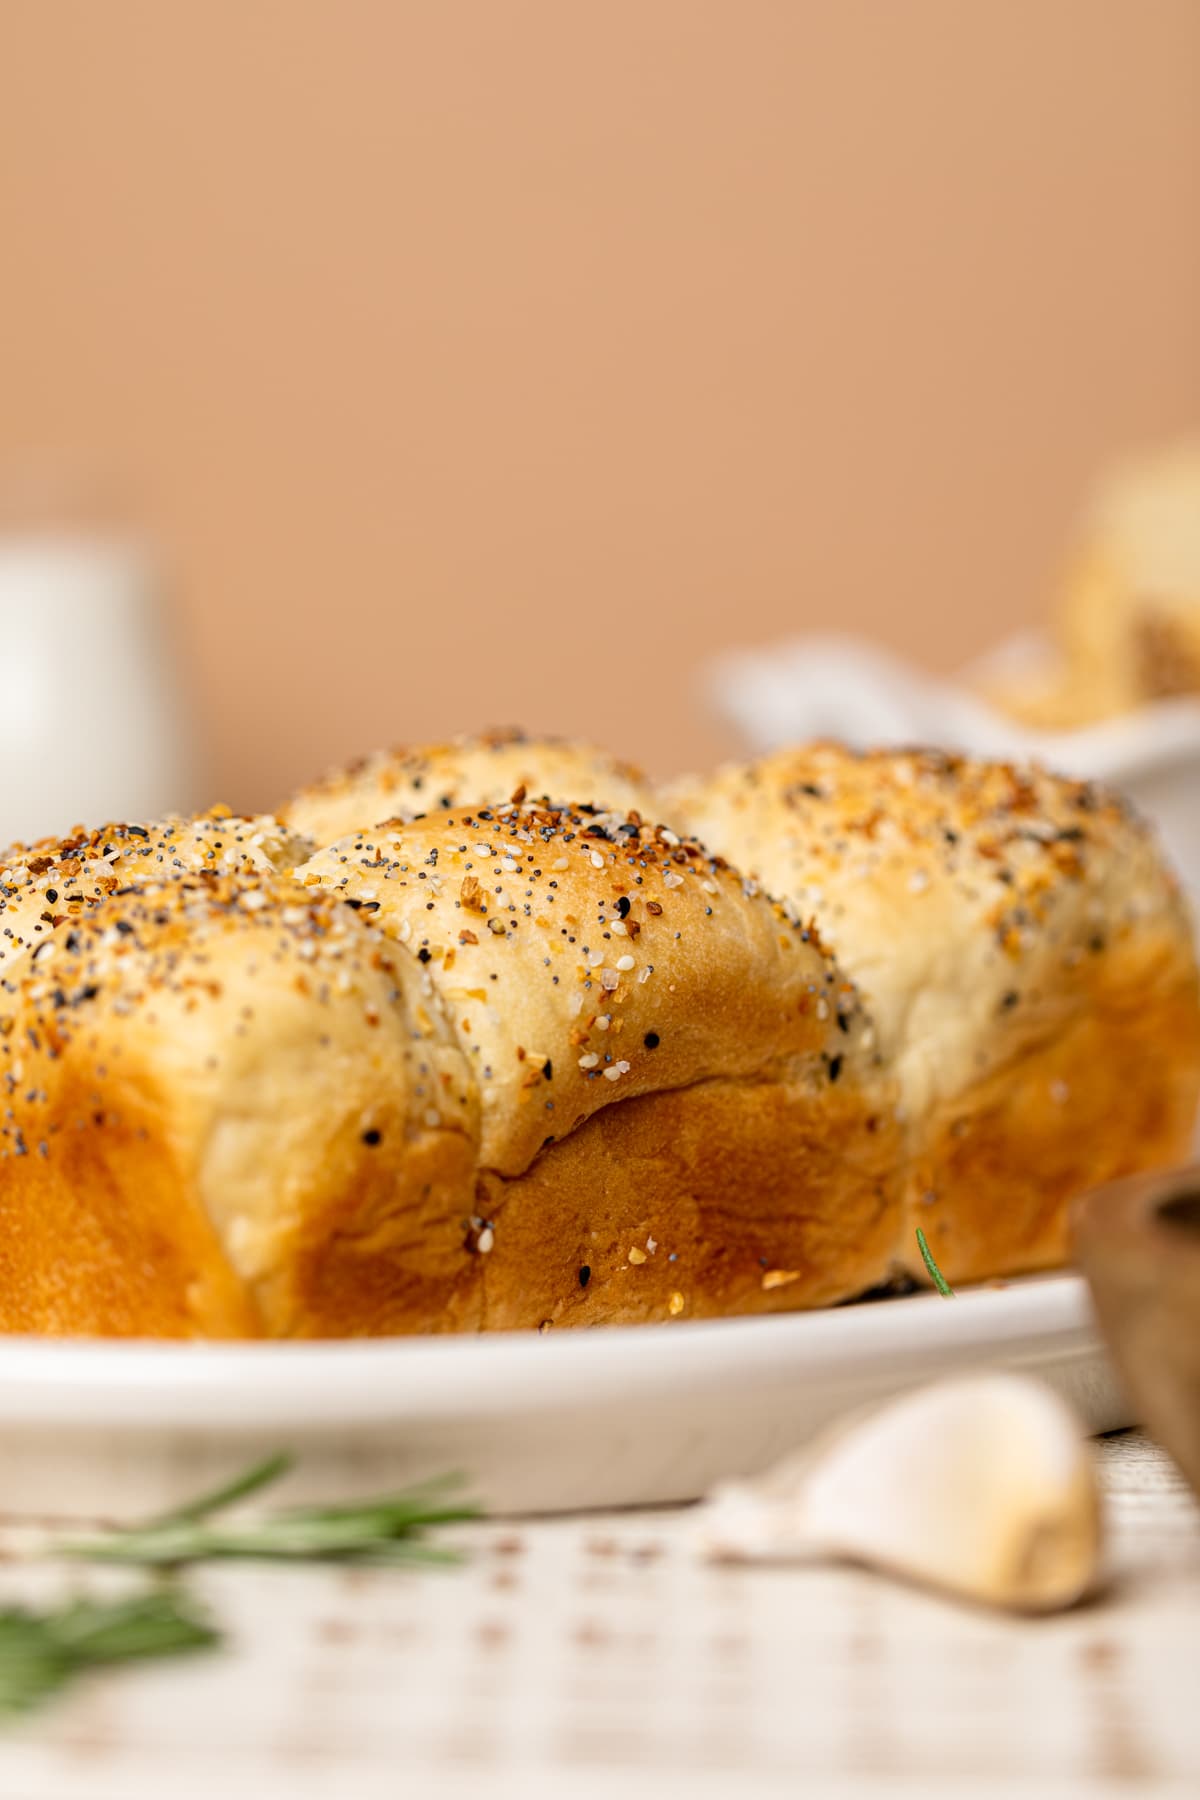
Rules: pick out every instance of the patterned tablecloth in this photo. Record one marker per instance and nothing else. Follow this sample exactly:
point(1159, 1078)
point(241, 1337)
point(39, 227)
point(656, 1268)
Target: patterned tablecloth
point(594, 1656)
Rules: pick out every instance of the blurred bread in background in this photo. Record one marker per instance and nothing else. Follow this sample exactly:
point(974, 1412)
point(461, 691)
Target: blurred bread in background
point(1126, 630)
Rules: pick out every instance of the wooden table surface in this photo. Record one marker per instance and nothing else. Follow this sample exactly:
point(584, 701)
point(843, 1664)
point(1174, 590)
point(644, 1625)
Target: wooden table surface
point(596, 1656)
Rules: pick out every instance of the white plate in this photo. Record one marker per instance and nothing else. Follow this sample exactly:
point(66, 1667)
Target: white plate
point(536, 1423)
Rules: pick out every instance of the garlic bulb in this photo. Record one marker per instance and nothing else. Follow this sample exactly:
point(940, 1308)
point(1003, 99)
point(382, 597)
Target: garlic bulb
point(981, 1485)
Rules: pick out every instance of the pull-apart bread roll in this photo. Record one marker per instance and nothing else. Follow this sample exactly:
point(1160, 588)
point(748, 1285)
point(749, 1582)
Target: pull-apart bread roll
point(482, 771)
point(1027, 960)
point(232, 1110)
point(59, 880)
point(680, 1112)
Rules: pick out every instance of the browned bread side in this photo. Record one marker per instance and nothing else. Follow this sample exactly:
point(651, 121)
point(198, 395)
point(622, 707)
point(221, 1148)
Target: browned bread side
point(234, 1110)
point(1026, 957)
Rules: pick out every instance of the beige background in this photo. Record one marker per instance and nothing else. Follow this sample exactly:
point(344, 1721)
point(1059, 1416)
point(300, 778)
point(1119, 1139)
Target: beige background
point(495, 361)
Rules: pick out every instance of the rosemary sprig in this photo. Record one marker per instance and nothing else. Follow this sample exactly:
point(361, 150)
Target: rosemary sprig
point(386, 1530)
point(935, 1274)
point(41, 1652)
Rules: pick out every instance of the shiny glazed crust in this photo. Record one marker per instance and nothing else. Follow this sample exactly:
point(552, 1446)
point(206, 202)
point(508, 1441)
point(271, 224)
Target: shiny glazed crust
point(1027, 961)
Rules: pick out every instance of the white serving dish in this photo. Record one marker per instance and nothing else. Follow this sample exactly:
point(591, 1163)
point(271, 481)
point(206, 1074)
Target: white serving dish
point(841, 688)
point(546, 1423)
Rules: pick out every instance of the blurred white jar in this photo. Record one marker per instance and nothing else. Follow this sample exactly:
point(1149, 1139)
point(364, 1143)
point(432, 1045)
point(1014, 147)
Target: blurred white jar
point(93, 725)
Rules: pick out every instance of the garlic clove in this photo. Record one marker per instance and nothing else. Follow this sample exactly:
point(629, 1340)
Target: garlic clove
point(981, 1485)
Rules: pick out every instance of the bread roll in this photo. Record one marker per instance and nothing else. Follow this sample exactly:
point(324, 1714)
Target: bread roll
point(1126, 629)
point(234, 1109)
point(60, 880)
point(1027, 960)
point(486, 771)
point(679, 1109)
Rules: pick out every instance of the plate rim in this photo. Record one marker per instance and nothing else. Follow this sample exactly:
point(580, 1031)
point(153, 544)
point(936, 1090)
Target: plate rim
point(351, 1383)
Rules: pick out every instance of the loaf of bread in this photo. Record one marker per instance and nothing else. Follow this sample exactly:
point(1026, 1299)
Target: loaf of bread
point(1027, 962)
point(498, 1063)
point(485, 771)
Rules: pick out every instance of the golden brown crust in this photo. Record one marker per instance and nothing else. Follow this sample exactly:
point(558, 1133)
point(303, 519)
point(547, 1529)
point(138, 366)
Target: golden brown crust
point(1027, 960)
point(718, 1198)
point(481, 771)
point(512, 1065)
point(1110, 1093)
point(342, 1104)
point(208, 1077)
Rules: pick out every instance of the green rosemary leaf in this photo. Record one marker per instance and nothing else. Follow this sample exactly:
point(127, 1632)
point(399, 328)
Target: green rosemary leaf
point(935, 1274)
point(390, 1529)
point(258, 1476)
point(41, 1652)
